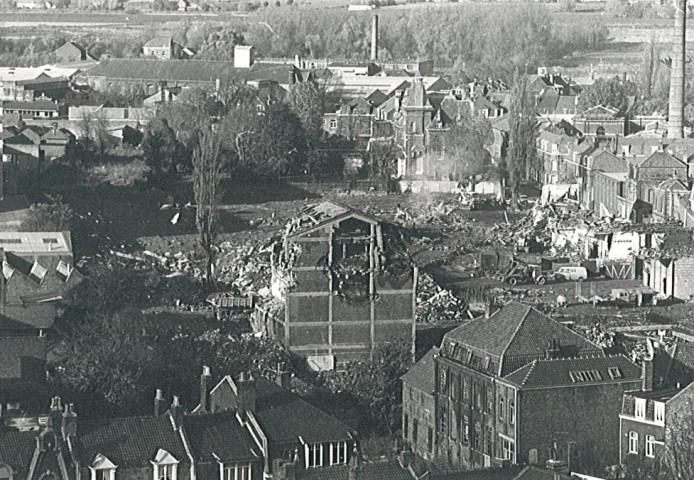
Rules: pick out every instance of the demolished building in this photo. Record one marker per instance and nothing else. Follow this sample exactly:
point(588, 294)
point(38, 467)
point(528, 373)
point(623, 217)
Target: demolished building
point(342, 283)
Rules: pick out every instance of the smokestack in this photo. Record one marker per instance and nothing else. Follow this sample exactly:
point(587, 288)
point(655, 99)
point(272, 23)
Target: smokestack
point(374, 38)
point(204, 387)
point(676, 104)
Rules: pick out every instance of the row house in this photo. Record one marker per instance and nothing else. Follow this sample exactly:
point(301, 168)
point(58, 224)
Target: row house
point(654, 422)
point(603, 179)
point(560, 151)
point(509, 386)
point(243, 429)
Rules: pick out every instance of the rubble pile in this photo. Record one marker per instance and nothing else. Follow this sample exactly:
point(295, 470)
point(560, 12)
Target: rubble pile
point(245, 267)
point(600, 337)
point(436, 304)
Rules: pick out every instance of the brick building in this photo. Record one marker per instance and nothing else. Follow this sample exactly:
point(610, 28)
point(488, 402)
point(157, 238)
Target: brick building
point(419, 406)
point(511, 385)
point(163, 48)
point(343, 284)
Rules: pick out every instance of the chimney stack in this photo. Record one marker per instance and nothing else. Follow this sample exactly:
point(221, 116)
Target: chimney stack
point(246, 394)
point(282, 376)
point(69, 428)
point(354, 465)
point(159, 403)
point(205, 388)
point(677, 73)
point(374, 38)
point(176, 411)
point(56, 413)
point(647, 374)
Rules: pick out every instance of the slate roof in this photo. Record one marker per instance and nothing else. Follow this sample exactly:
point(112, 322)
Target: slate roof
point(516, 329)
point(220, 436)
point(367, 471)
point(39, 106)
point(422, 374)
point(14, 349)
point(664, 159)
point(508, 473)
point(17, 449)
point(555, 373)
point(186, 70)
point(680, 368)
point(284, 417)
point(129, 442)
point(607, 162)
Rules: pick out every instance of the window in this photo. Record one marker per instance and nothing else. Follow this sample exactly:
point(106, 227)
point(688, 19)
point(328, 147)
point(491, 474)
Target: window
point(633, 443)
point(443, 380)
point(338, 453)
point(405, 426)
point(465, 433)
point(333, 123)
point(415, 426)
point(443, 418)
point(488, 440)
point(478, 436)
point(614, 372)
point(165, 466)
point(511, 411)
point(490, 400)
point(101, 468)
point(413, 127)
point(5, 472)
point(509, 449)
point(238, 471)
point(314, 455)
point(166, 472)
point(640, 408)
point(430, 439)
point(464, 387)
point(501, 408)
point(659, 412)
point(650, 446)
point(585, 376)
point(419, 165)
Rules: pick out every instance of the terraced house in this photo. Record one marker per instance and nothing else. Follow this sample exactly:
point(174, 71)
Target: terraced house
point(508, 387)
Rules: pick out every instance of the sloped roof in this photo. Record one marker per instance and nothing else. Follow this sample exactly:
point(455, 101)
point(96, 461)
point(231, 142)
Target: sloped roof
point(187, 70)
point(367, 471)
point(159, 42)
point(673, 184)
point(39, 106)
point(607, 162)
point(285, 416)
point(662, 159)
point(317, 215)
point(219, 436)
point(421, 374)
point(506, 473)
point(130, 441)
point(516, 330)
point(17, 449)
point(556, 372)
point(14, 349)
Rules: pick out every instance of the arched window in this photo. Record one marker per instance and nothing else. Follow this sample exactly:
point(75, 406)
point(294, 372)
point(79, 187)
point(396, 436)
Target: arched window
point(600, 131)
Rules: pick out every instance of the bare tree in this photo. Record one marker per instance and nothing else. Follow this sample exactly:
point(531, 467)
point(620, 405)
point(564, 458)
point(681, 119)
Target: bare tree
point(521, 150)
point(208, 166)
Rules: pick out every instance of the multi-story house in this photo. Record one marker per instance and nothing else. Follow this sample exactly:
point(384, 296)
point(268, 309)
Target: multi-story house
point(345, 286)
point(419, 406)
point(654, 421)
point(603, 179)
point(511, 385)
point(601, 124)
point(162, 47)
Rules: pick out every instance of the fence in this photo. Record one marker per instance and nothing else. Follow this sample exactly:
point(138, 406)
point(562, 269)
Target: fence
point(311, 184)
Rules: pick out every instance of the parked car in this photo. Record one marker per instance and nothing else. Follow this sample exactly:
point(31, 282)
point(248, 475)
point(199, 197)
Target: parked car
point(570, 273)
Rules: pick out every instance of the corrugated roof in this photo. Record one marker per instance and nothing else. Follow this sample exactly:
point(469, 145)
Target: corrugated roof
point(129, 442)
point(558, 372)
point(220, 436)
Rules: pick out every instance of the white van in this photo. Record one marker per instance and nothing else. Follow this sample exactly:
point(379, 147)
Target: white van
point(570, 273)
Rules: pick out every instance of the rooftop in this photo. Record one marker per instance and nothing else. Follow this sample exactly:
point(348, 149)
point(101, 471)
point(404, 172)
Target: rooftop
point(422, 373)
point(36, 243)
point(570, 372)
point(219, 437)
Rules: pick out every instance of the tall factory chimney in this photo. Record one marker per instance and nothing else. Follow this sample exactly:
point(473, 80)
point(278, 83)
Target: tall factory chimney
point(676, 103)
point(374, 38)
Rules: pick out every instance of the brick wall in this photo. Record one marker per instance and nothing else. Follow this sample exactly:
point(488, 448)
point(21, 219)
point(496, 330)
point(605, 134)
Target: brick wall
point(586, 415)
point(418, 420)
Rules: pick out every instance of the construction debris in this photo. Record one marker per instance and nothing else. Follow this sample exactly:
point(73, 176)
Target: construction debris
point(436, 304)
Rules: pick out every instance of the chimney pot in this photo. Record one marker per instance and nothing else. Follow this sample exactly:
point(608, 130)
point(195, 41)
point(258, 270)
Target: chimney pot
point(176, 401)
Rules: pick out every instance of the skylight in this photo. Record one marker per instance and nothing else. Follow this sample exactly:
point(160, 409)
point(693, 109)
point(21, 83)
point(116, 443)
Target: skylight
point(585, 376)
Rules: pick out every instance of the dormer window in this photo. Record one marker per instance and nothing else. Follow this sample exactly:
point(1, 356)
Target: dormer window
point(165, 466)
point(338, 453)
point(236, 471)
point(659, 412)
point(314, 455)
point(640, 408)
point(102, 468)
point(6, 472)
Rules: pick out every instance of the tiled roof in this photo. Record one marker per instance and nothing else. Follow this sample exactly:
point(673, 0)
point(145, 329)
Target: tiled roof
point(556, 373)
point(41, 105)
point(607, 162)
point(516, 330)
point(129, 442)
point(665, 159)
point(22, 355)
point(220, 436)
point(421, 374)
point(367, 471)
point(284, 417)
point(681, 368)
point(17, 449)
point(186, 70)
point(483, 474)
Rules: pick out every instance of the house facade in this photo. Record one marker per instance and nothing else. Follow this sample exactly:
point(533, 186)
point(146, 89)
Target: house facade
point(511, 385)
point(344, 284)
